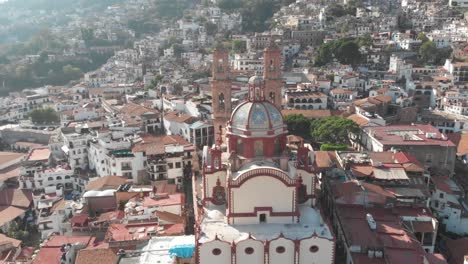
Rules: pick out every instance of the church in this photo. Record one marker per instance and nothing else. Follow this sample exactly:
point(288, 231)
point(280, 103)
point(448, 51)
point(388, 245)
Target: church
point(256, 200)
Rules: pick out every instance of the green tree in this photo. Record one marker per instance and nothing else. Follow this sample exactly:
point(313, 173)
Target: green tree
point(14, 231)
point(298, 125)
point(87, 34)
point(423, 37)
point(348, 53)
point(333, 130)
point(71, 72)
point(345, 50)
point(364, 40)
point(44, 116)
point(427, 51)
point(239, 46)
point(211, 28)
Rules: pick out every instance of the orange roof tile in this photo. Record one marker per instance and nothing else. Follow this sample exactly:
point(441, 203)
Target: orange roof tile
point(359, 120)
point(96, 255)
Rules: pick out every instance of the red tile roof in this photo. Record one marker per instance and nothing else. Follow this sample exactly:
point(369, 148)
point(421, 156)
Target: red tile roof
point(96, 255)
point(50, 252)
point(456, 250)
point(106, 182)
point(172, 199)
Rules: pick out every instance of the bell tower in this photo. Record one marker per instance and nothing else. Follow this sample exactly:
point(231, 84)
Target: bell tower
point(221, 88)
point(272, 74)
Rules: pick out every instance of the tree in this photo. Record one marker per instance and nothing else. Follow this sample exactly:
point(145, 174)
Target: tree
point(348, 53)
point(333, 130)
point(423, 37)
point(44, 116)
point(71, 72)
point(364, 40)
point(87, 34)
point(211, 28)
point(345, 50)
point(14, 231)
point(427, 51)
point(239, 46)
point(298, 125)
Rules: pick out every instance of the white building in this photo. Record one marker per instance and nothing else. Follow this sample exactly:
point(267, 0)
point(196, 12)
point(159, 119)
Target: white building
point(445, 201)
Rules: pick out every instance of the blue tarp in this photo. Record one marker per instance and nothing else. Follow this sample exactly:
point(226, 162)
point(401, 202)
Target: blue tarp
point(182, 251)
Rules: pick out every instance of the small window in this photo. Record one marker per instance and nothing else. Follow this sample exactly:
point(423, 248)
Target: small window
point(280, 250)
point(313, 249)
point(441, 195)
point(249, 251)
point(216, 251)
point(262, 218)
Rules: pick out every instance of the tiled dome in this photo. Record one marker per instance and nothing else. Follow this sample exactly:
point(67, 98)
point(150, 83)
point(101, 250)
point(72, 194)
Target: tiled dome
point(257, 115)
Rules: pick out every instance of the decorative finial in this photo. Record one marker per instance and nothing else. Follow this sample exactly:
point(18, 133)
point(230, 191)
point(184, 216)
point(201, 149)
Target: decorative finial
point(219, 141)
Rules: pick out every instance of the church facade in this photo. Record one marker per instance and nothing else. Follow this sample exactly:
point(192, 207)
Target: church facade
point(256, 199)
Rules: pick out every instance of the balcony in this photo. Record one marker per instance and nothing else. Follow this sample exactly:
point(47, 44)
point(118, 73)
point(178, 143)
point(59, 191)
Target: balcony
point(126, 168)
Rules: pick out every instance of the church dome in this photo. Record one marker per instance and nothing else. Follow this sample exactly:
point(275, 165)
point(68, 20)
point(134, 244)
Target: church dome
point(256, 115)
point(255, 80)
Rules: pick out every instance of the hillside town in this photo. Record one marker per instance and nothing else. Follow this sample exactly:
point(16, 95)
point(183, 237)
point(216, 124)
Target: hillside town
point(339, 134)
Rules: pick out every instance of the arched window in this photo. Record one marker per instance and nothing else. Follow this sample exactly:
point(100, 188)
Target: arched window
point(310, 100)
point(240, 148)
point(318, 100)
point(221, 101)
point(304, 101)
point(50, 179)
point(220, 65)
point(304, 107)
point(258, 148)
point(291, 101)
point(277, 147)
point(58, 178)
point(272, 97)
point(311, 107)
point(298, 100)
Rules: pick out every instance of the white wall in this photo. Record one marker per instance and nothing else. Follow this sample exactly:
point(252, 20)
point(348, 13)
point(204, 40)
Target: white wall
point(256, 257)
point(249, 195)
point(281, 258)
point(206, 253)
point(325, 253)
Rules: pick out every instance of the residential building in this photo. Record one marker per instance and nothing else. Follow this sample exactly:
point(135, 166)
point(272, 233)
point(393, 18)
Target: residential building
point(431, 147)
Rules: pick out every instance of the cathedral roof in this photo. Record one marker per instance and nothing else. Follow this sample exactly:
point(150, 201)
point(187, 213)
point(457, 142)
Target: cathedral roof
point(256, 115)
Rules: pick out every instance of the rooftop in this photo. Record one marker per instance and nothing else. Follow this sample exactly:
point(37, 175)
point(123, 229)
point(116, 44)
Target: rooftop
point(409, 135)
point(159, 249)
point(214, 224)
point(39, 154)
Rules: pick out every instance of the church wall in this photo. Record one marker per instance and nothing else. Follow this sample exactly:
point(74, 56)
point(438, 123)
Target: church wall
point(307, 180)
point(275, 255)
point(208, 250)
point(255, 219)
point(211, 181)
point(263, 191)
point(245, 255)
point(316, 250)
